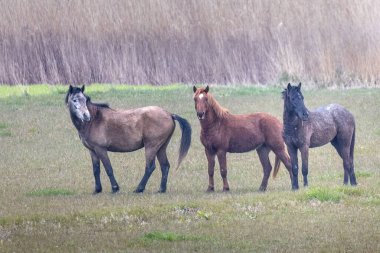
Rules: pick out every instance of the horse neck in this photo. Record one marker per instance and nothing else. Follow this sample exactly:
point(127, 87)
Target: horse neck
point(82, 126)
point(211, 120)
point(290, 120)
point(79, 125)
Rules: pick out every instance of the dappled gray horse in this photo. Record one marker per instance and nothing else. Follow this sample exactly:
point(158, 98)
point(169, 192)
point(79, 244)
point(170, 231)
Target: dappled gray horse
point(304, 129)
point(103, 129)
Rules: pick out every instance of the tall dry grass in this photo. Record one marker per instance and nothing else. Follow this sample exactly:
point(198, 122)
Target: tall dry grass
point(158, 42)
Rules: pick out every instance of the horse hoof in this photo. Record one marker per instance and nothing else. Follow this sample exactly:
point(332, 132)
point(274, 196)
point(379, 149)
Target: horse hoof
point(115, 189)
point(262, 189)
point(295, 188)
point(226, 189)
point(161, 191)
point(138, 190)
point(96, 191)
point(210, 189)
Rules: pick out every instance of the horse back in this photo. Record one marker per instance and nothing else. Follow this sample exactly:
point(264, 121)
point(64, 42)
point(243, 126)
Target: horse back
point(328, 122)
point(244, 133)
point(129, 130)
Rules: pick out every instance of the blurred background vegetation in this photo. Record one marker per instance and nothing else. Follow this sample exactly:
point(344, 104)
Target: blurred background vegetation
point(326, 43)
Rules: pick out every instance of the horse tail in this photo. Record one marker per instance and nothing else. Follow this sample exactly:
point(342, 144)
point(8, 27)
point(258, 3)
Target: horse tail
point(277, 163)
point(185, 138)
point(352, 147)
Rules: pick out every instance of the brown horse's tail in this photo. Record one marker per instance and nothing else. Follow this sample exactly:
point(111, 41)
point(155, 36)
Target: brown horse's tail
point(277, 163)
point(185, 139)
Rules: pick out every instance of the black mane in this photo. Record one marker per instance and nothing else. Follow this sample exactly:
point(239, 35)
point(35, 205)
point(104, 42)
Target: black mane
point(283, 93)
point(102, 105)
point(75, 90)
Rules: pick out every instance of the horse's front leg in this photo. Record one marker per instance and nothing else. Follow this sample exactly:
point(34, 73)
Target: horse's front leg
point(305, 163)
point(211, 165)
point(96, 170)
point(102, 154)
point(223, 168)
point(294, 159)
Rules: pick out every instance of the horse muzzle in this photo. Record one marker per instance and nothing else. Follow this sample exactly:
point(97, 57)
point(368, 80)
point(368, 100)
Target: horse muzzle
point(201, 115)
point(305, 116)
point(86, 116)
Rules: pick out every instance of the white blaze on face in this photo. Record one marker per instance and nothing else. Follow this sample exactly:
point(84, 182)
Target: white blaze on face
point(201, 96)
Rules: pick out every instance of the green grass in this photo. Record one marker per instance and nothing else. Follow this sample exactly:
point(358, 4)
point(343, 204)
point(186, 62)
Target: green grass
point(323, 194)
point(168, 236)
point(47, 182)
point(50, 192)
point(363, 174)
point(46, 90)
point(332, 194)
point(4, 131)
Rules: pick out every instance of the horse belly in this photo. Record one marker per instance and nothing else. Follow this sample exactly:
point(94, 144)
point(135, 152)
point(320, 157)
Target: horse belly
point(241, 146)
point(128, 140)
point(240, 149)
point(120, 148)
point(321, 138)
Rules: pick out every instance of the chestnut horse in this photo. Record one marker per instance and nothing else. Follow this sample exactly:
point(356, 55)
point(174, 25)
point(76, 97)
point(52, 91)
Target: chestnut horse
point(224, 132)
point(103, 129)
point(304, 129)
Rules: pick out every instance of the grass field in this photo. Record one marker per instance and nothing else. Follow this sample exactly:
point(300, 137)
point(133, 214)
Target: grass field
point(46, 182)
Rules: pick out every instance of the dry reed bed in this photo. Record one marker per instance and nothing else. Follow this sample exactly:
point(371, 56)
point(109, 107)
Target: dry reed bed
point(159, 42)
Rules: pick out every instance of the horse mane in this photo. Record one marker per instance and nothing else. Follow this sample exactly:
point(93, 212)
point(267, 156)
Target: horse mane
point(283, 93)
point(88, 99)
point(101, 105)
point(220, 111)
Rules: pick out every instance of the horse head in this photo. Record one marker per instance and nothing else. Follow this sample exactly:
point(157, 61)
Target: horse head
point(77, 103)
point(294, 101)
point(201, 103)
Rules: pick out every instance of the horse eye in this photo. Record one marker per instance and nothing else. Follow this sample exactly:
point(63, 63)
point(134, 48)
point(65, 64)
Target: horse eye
point(75, 100)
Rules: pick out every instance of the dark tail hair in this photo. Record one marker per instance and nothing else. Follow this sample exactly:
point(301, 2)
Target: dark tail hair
point(185, 139)
point(352, 147)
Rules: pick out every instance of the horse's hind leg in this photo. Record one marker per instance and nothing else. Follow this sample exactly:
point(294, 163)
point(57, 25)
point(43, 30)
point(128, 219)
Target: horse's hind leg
point(335, 143)
point(348, 169)
point(343, 149)
point(285, 159)
point(150, 166)
point(263, 153)
point(165, 166)
point(102, 154)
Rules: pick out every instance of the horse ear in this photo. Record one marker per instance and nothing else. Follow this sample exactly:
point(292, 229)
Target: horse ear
point(289, 87)
point(194, 88)
point(70, 89)
point(207, 89)
point(82, 89)
point(299, 86)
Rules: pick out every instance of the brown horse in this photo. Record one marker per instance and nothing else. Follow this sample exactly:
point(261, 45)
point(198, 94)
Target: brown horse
point(304, 129)
point(224, 132)
point(103, 129)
